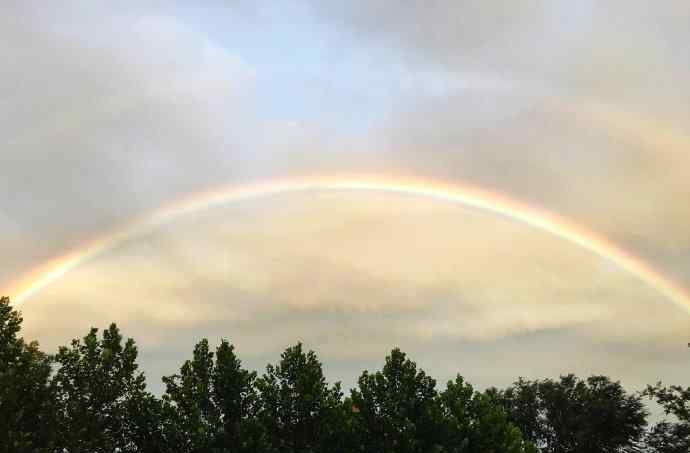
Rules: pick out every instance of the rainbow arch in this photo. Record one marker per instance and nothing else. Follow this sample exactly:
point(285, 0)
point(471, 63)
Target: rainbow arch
point(465, 195)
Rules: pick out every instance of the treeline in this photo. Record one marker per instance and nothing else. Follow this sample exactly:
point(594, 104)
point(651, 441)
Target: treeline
point(91, 397)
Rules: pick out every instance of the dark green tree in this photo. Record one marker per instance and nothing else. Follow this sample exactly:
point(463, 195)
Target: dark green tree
point(670, 436)
point(521, 401)
point(91, 397)
point(396, 409)
point(25, 398)
point(101, 398)
point(235, 396)
point(192, 421)
point(299, 410)
point(477, 423)
point(594, 415)
point(210, 406)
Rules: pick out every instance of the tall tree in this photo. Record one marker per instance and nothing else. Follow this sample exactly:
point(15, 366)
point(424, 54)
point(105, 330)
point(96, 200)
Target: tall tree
point(572, 415)
point(95, 400)
point(192, 420)
point(523, 405)
point(477, 423)
point(25, 399)
point(298, 408)
point(210, 406)
point(235, 396)
point(397, 409)
point(670, 436)
point(101, 397)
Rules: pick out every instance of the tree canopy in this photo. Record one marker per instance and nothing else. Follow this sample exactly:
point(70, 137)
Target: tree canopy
point(572, 415)
point(91, 396)
point(670, 435)
point(26, 403)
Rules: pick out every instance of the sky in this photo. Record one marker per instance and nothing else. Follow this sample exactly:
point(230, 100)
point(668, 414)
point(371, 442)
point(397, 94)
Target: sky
point(576, 109)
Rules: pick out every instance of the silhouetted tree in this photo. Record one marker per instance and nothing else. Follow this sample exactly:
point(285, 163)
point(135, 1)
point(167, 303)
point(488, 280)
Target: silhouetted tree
point(523, 405)
point(101, 398)
point(577, 416)
point(298, 409)
point(397, 409)
point(192, 420)
point(670, 436)
point(25, 399)
point(477, 423)
point(211, 406)
point(91, 398)
point(236, 397)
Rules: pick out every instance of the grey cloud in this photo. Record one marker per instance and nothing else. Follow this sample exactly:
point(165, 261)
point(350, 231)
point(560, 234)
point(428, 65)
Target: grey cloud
point(605, 48)
point(107, 111)
point(99, 130)
point(586, 116)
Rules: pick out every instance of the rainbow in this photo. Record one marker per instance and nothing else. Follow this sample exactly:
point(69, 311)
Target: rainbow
point(464, 195)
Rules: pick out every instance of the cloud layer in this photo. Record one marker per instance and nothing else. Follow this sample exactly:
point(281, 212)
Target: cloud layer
point(353, 274)
point(108, 111)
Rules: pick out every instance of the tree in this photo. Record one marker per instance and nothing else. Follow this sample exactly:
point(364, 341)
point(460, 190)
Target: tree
point(477, 423)
point(95, 401)
point(192, 420)
point(299, 411)
point(25, 397)
point(670, 436)
point(397, 409)
point(236, 398)
point(571, 415)
point(101, 397)
point(210, 406)
point(522, 403)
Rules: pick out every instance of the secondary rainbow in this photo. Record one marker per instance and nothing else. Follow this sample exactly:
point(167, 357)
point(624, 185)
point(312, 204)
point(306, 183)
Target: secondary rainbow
point(464, 195)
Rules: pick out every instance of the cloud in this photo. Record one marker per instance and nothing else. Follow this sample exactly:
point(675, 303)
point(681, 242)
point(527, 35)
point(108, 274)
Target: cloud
point(106, 118)
point(108, 111)
point(590, 46)
point(582, 108)
point(352, 275)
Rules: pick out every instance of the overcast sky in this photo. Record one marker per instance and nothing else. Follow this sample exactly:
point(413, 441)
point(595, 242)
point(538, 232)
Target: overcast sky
point(580, 108)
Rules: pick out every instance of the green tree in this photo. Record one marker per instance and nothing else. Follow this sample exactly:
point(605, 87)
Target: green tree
point(25, 398)
point(299, 411)
point(477, 423)
point(397, 408)
point(521, 401)
point(670, 436)
point(594, 415)
point(95, 401)
point(192, 421)
point(210, 406)
point(101, 397)
point(236, 397)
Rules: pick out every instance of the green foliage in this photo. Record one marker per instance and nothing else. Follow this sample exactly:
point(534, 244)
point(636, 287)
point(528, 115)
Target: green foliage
point(398, 410)
point(91, 398)
point(26, 409)
point(297, 407)
point(101, 399)
point(236, 397)
point(523, 404)
point(670, 436)
point(571, 415)
point(193, 421)
point(210, 406)
point(478, 423)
